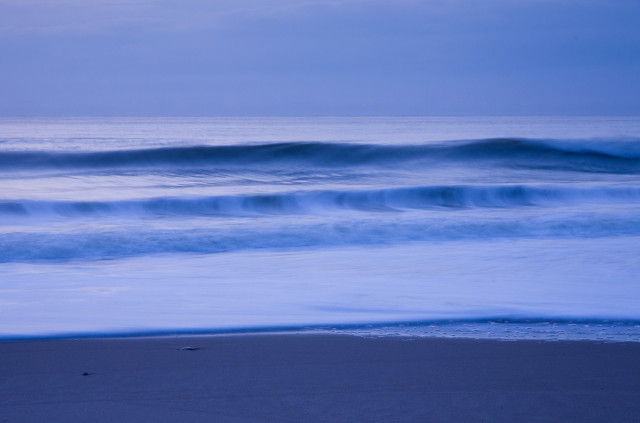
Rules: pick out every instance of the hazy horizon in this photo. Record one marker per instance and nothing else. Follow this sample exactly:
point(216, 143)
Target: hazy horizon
point(320, 58)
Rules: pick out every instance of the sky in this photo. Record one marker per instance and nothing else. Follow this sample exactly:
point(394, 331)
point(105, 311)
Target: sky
point(319, 57)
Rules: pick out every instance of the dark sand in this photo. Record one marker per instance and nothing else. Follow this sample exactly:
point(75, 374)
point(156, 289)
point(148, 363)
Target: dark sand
point(317, 378)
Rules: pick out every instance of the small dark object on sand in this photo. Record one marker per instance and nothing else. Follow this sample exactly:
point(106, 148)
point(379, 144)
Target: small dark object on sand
point(189, 348)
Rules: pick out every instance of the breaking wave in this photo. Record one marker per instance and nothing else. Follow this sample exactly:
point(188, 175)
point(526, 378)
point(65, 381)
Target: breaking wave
point(393, 199)
point(120, 243)
point(598, 156)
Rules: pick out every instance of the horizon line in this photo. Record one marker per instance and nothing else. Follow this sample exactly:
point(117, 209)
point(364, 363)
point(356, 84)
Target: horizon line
point(316, 116)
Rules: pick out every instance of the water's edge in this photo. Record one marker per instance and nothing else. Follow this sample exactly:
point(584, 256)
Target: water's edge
point(490, 329)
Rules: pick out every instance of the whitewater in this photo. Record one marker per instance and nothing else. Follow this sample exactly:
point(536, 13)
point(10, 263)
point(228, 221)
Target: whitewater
point(112, 226)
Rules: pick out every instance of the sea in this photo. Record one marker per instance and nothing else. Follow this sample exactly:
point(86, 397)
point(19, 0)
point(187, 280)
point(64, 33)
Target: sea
point(482, 227)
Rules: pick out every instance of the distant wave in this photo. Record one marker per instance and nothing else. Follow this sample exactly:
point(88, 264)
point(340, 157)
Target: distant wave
point(392, 199)
point(599, 156)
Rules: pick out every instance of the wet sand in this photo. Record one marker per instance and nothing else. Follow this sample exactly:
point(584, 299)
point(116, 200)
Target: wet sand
point(317, 378)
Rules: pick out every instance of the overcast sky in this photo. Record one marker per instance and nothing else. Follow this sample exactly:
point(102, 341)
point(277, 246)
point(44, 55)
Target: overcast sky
point(319, 57)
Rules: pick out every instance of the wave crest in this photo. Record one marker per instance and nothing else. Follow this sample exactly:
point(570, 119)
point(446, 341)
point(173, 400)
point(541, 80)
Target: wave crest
point(614, 156)
point(392, 199)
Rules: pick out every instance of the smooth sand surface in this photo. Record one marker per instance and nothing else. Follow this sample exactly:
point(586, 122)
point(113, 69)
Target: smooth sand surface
point(317, 378)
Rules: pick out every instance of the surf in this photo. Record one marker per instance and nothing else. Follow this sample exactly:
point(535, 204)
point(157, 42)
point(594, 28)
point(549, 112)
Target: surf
point(319, 201)
point(589, 155)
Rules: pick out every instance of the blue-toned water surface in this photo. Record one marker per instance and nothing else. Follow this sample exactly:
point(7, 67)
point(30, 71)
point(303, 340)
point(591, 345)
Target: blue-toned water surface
point(141, 225)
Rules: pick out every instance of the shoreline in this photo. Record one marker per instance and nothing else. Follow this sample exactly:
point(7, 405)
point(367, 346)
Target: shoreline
point(317, 377)
point(500, 329)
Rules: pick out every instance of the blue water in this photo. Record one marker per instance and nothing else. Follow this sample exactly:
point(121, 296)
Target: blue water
point(160, 225)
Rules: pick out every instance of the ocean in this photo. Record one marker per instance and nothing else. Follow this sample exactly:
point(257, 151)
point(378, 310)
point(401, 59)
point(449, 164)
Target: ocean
point(429, 226)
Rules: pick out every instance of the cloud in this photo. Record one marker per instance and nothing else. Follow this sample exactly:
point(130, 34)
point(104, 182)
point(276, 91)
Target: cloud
point(82, 16)
point(99, 16)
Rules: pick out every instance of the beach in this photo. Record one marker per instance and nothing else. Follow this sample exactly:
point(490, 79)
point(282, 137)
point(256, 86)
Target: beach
point(317, 269)
point(317, 377)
